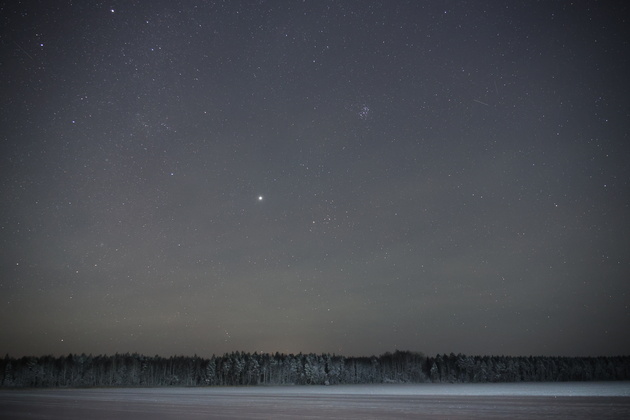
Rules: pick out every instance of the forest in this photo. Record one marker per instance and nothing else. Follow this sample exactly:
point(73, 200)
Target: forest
point(242, 369)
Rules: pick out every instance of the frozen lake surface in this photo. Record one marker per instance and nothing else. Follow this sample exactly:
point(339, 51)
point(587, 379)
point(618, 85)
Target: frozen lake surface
point(599, 400)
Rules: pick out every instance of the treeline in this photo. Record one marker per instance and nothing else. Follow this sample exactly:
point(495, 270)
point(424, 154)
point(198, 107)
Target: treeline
point(464, 369)
point(239, 368)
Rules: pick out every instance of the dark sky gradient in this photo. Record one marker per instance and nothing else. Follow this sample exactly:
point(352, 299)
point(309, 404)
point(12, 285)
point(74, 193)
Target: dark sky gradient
point(445, 176)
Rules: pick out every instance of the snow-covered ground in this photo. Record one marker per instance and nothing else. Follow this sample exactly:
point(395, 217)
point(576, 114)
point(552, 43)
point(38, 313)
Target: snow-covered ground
point(528, 389)
point(599, 400)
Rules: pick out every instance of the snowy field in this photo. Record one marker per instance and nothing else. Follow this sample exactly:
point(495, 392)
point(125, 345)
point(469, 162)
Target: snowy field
point(600, 400)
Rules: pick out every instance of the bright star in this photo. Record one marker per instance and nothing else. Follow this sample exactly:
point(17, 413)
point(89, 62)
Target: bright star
point(260, 198)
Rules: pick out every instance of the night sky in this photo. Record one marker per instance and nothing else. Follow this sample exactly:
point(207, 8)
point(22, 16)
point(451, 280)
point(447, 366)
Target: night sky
point(351, 177)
